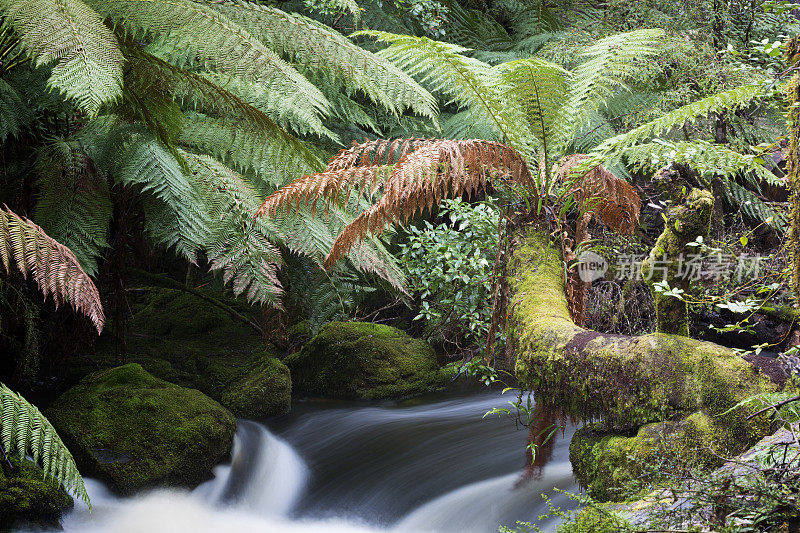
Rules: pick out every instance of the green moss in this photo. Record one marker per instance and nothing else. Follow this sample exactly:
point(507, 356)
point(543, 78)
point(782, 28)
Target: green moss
point(626, 381)
point(185, 340)
point(684, 224)
point(263, 390)
point(136, 431)
point(27, 498)
point(364, 360)
point(594, 519)
point(617, 467)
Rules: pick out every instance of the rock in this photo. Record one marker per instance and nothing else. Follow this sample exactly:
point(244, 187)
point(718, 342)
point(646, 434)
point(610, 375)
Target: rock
point(264, 389)
point(135, 431)
point(27, 499)
point(185, 340)
point(614, 466)
point(360, 360)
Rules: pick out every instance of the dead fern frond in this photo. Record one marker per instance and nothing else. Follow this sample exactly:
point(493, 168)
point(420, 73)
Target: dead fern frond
point(611, 199)
point(426, 172)
point(52, 265)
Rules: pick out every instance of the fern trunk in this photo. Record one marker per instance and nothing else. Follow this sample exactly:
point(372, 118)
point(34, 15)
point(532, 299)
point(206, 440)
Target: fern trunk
point(792, 168)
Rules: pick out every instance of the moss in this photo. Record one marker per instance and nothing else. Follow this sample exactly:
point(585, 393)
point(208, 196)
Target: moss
point(366, 361)
point(594, 519)
point(684, 224)
point(626, 381)
point(616, 467)
point(187, 341)
point(135, 431)
point(27, 498)
point(263, 390)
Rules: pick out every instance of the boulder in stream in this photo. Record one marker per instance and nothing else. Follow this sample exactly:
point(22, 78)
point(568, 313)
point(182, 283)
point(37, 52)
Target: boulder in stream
point(135, 431)
point(361, 360)
point(27, 499)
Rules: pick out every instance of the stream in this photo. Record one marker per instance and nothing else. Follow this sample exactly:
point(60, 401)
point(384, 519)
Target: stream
point(434, 465)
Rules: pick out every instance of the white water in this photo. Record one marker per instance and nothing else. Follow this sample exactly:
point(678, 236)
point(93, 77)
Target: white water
point(430, 468)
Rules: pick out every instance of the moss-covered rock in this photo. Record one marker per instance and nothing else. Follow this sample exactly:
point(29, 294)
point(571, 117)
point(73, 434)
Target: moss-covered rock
point(352, 360)
point(135, 431)
point(615, 466)
point(264, 389)
point(28, 499)
point(188, 341)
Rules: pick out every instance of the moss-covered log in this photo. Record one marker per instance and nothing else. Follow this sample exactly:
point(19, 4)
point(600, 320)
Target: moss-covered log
point(626, 381)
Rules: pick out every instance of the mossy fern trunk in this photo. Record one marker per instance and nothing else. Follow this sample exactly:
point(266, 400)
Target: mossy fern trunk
point(792, 164)
point(683, 224)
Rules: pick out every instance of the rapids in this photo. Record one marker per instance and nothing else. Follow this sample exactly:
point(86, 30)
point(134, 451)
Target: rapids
point(328, 467)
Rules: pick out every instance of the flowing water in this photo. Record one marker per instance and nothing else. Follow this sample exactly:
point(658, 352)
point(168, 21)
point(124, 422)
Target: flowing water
point(352, 467)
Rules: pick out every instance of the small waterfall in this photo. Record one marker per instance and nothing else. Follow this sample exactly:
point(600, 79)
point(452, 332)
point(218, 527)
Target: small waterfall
point(266, 476)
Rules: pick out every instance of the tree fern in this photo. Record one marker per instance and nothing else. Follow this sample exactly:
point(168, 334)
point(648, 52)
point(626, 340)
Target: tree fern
point(445, 70)
point(194, 33)
point(74, 205)
point(312, 45)
point(53, 267)
point(25, 431)
point(14, 112)
point(88, 62)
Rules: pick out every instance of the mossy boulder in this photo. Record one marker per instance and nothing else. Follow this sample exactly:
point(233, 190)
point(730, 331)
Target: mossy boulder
point(135, 431)
point(615, 467)
point(360, 360)
point(27, 499)
point(183, 339)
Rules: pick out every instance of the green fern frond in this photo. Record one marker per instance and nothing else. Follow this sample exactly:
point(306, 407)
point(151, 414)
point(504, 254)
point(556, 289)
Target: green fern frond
point(25, 431)
point(754, 207)
point(320, 48)
point(53, 266)
point(195, 33)
point(274, 156)
point(473, 29)
point(74, 205)
point(723, 101)
point(88, 61)
point(608, 64)
point(238, 247)
point(133, 156)
point(445, 70)
point(536, 88)
point(14, 112)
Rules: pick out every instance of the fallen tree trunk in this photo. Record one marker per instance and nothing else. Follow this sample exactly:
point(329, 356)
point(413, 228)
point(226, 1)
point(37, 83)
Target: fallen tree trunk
point(627, 381)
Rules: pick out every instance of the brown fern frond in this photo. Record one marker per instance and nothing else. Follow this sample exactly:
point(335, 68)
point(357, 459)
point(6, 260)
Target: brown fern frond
point(611, 199)
point(374, 153)
point(432, 172)
point(426, 171)
point(52, 265)
point(328, 186)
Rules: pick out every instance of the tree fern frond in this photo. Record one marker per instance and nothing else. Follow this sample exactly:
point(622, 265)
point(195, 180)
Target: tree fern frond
point(53, 266)
point(536, 88)
point(131, 155)
point(88, 62)
point(434, 170)
point(609, 63)
point(14, 112)
point(445, 70)
point(273, 155)
point(74, 205)
point(473, 29)
point(723, 101)
point(320, 48)
point(753, 206)
point(25, 431)
point(702, 156)
point(613, 200)
point(191, 33)
point(239, 247)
